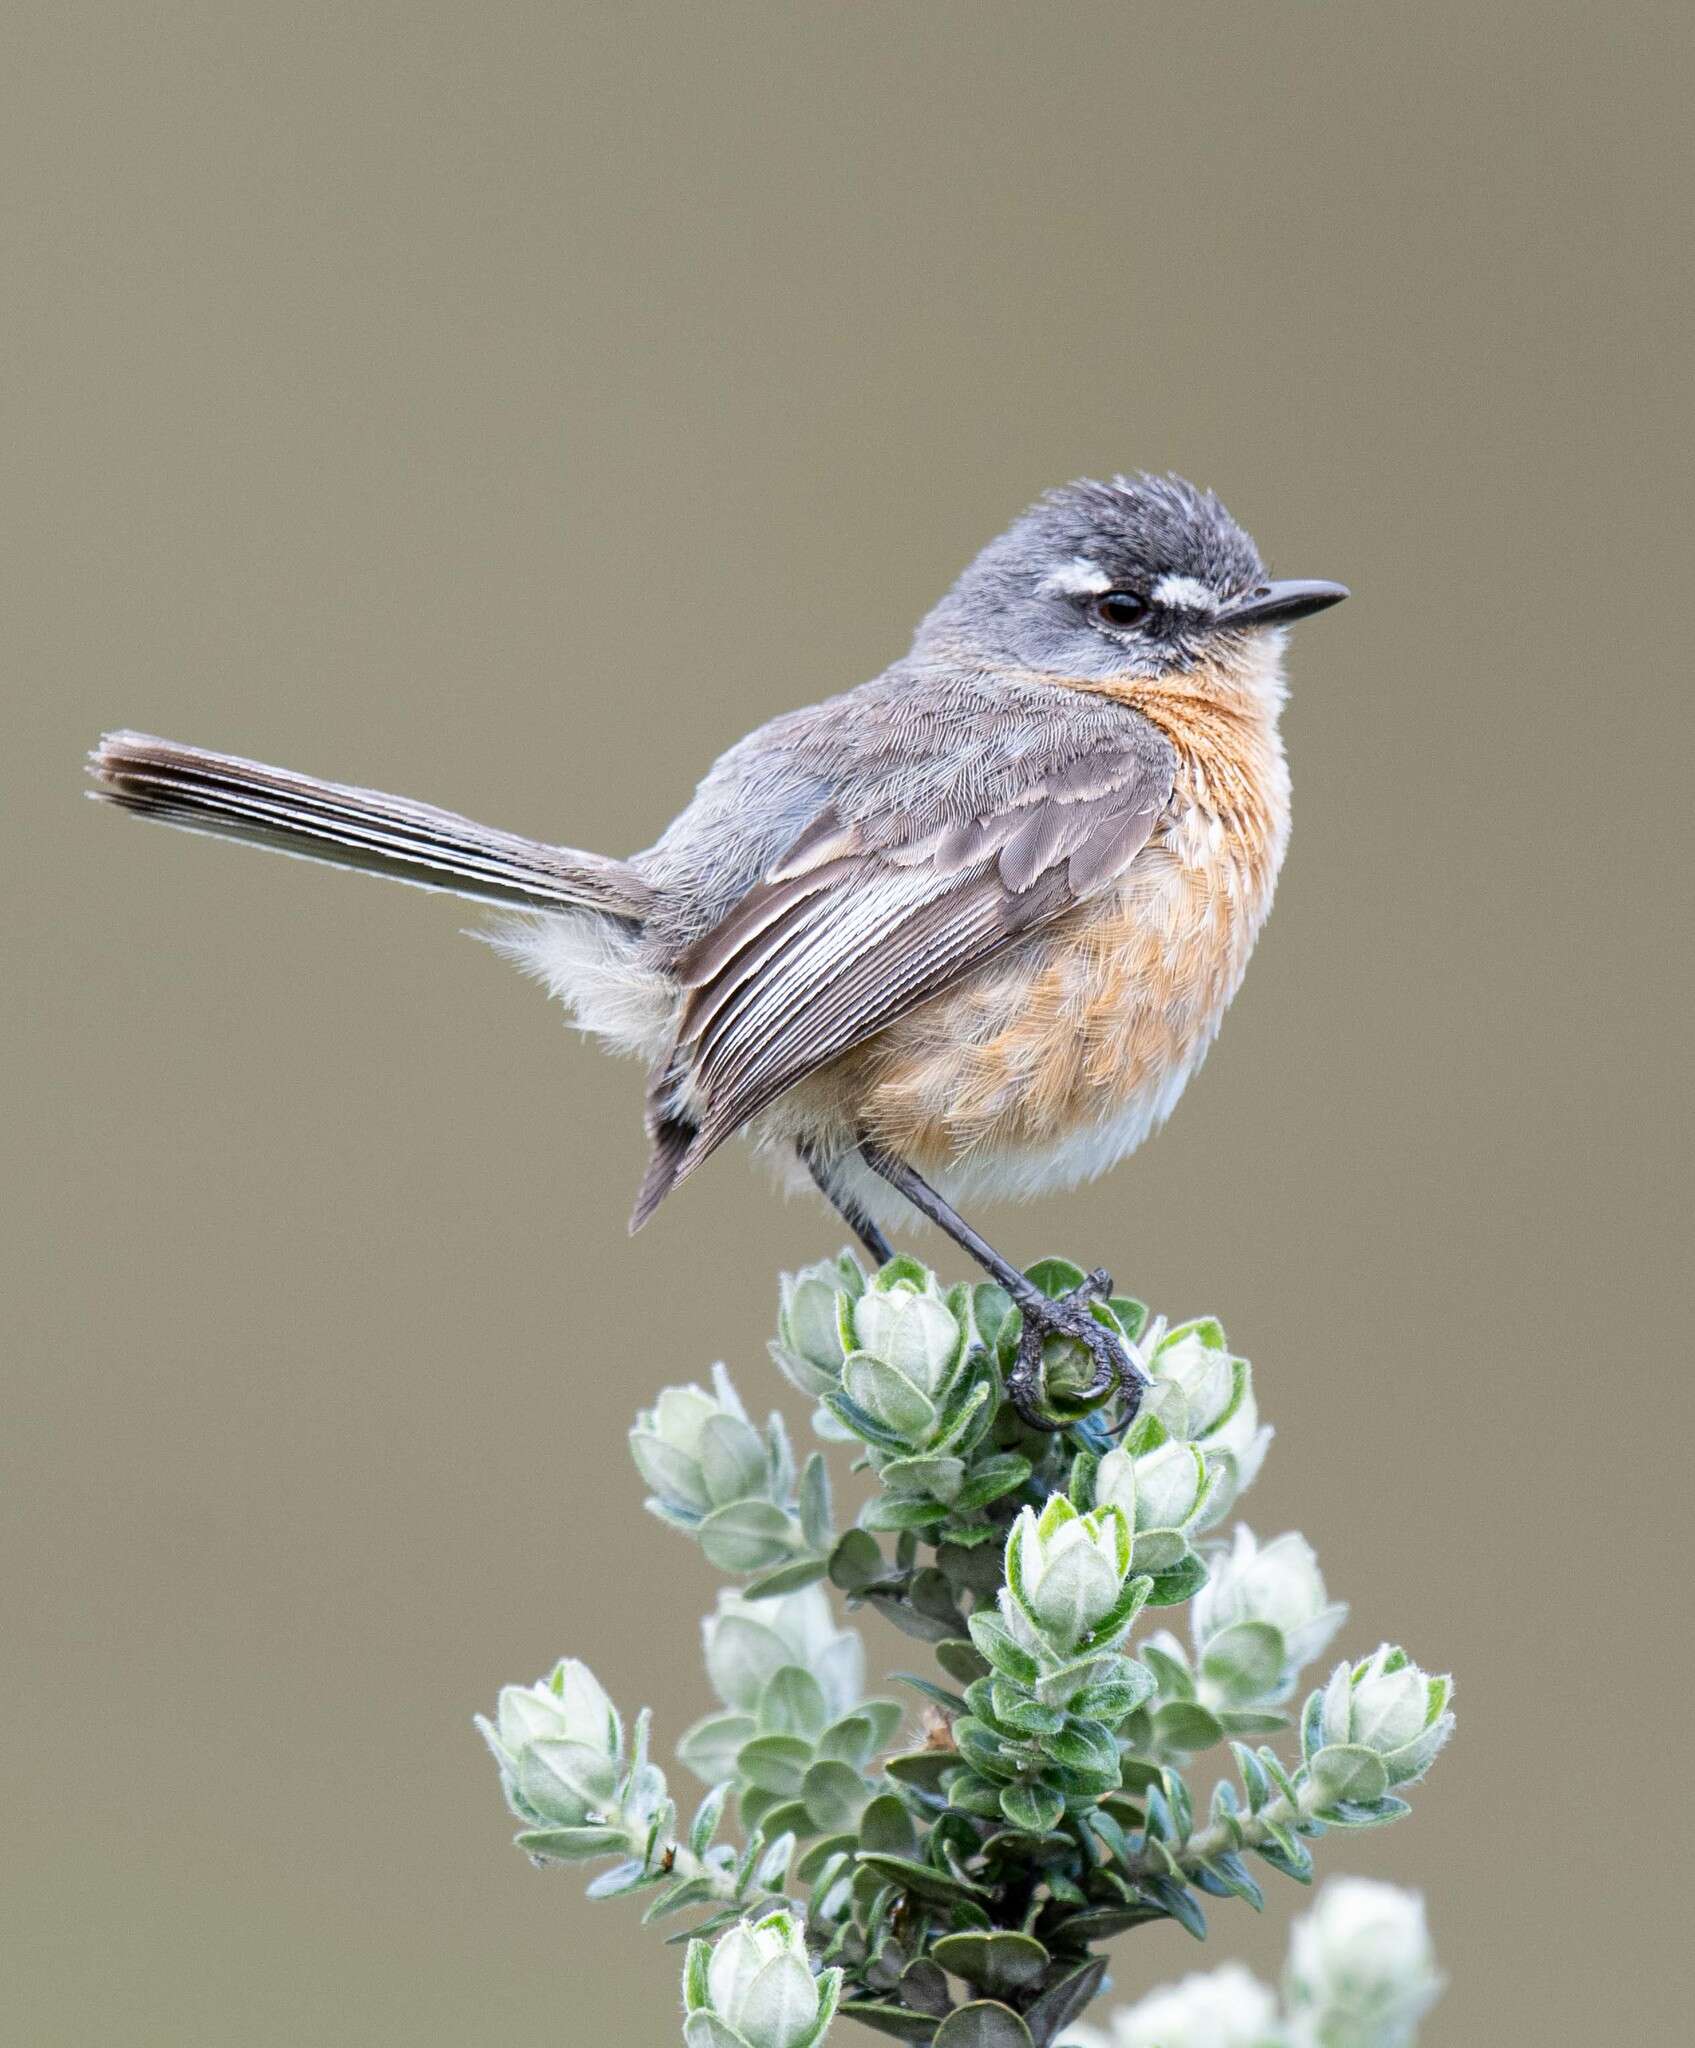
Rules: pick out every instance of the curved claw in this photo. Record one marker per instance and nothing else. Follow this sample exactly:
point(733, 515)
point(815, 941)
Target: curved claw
point(1071, 1316)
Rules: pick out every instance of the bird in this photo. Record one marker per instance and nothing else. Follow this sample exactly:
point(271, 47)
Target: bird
point(965, 931)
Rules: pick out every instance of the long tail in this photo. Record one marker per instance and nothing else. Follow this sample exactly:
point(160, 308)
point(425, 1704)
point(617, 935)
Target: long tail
point(355, 828)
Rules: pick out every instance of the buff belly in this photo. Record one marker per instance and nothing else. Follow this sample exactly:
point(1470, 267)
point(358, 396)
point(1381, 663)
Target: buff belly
point(1048, 1067)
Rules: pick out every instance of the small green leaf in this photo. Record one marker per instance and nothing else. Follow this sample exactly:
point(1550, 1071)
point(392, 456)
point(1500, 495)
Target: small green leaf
point(983, 2024)
point(785, 1578)
point(813, 1502)
point(1031, 1806)
point(1348, 1813)
point(990, 1479)
point(1063, 2000)
point(923, 1769)
point(708, 1814)
point(746, 1536)
point(1348, 1771)
point(1184, 1725)
point(571, 1845)
point(994, 1962)
point(857, 1562)
point(792, 1703)
point(895, 1512)
point(918, 1878)
point(1179, 1902)
point(899, 2020)
point(835, 1796)
point(775, 1763)
point(885, 1828)
point(1182, 1582)
point(1055, 1277)
point(962, 1660)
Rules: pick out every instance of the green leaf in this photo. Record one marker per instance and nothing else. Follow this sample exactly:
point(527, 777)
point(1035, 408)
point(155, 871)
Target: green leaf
point(885, 1828)
point(950, 1701)
point(1062, 2001)
point(962, 1660)
point(1245, 1661)
point(708, 1814)
point(983, 2024)
point(899, 2020)
point(1055, 1277)
point(624, 1877)
point(835, 1796)
point(924, 1988)
point(857, 1562)
point(792, 1703)
point(1179, 1902)
point(692, 1891)
point(572, 1845)
point(1182, 1582)
point(896, 1512)
point(706, 2030)
point(1101, 1923)
point(923, 1769)
point(1184, 1725)
point(990, 1479)
point(1232, 1874)
point(813, 1502)
point(1349, 1813)
point(918, 1878)
point(1031, 1806)
point(1132, 1314)
point(786, 1578)
point(775, 1763)
point(1293, 1858)
point(1254, 1780)
point(746, 1536)
point(994, 1641)
point(1113, 1699)
point(993, 1962)
point(1083, 1745)
point(1349, 1771)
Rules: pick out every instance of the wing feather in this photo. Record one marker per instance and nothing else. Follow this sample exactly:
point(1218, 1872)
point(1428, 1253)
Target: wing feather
point(862, 920)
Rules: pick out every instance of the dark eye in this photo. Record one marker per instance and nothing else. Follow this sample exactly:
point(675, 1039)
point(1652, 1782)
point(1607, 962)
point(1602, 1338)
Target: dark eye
point(1119, 609)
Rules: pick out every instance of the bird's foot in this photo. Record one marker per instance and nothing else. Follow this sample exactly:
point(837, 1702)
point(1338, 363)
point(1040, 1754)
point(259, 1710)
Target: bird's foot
point(1072, 1315)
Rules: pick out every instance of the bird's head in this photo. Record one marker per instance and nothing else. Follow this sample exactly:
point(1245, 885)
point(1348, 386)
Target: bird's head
point(1144, 580)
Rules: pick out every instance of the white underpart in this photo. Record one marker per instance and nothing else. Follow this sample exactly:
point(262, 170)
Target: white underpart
point(594, 969)
point(1078, 578)
point(1184, 593)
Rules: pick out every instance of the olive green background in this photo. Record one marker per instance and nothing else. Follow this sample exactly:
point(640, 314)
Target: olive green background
point(509, 404)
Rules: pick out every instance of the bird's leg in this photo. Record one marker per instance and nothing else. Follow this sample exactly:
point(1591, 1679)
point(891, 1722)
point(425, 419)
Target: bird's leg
point(875, 1243)
point(1043, 1316)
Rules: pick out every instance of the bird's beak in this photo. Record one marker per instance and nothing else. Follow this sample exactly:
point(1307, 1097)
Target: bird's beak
point(1276, 604)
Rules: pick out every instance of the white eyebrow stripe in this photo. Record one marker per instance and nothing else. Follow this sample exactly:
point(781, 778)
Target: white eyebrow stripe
point(1185, 593)
point(1078, 578)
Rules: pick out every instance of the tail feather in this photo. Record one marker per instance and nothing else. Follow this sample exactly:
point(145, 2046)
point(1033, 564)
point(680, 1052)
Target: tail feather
point(361, 829)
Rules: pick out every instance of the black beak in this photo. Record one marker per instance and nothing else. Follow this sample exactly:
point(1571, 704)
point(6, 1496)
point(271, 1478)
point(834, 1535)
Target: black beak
point(1276, 604)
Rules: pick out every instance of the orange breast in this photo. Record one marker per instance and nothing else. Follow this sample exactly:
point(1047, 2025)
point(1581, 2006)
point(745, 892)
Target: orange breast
point(1100, 1020)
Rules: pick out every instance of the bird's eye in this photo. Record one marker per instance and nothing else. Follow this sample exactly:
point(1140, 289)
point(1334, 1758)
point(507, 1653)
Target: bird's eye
point(1120, 608)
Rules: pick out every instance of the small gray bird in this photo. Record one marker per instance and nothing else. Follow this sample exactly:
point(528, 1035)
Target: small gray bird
point(966, 930)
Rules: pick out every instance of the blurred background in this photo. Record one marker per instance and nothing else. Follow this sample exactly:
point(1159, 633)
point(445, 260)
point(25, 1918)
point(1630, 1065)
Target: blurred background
point(508, 405)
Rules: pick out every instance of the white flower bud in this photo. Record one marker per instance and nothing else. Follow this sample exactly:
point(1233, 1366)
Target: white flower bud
point(756, 1989)
point(1065, 1570)
point(1261, 1615)
point(749, 1641)
point(1388, 1708)
point(1205, 1396)
point(908, 1349)
point(1227, 2008)
point(809, 1334)
point(1161, 1493)
point(1361, 1973)
point(558, 1744)
point(698, 1451)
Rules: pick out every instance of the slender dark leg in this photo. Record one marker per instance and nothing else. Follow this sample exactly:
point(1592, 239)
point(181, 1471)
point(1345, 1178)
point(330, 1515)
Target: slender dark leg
point(875, 1243)
point(1043, 1317)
